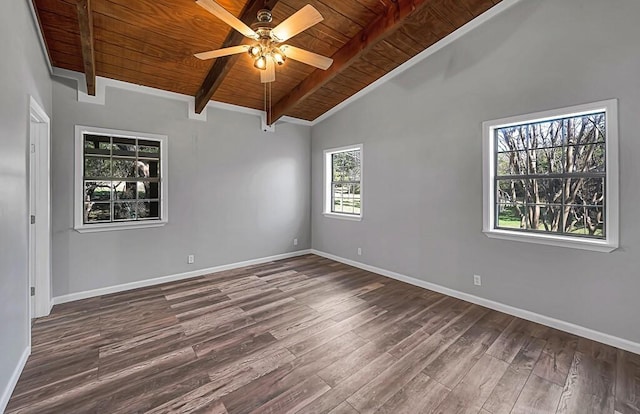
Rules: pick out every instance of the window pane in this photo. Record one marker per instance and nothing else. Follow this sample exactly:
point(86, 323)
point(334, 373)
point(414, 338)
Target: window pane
point(509, 216)
point(124, 146)
point(348, 199)
point(588, 221)
point(147, 168)
point(124, 210)
point(511, 191)
point(346, 166)
point(148, 190)
point(529, 221)
point(357, 201)
point(549, 217)
point(586, 158)
point(148, 149)
point(97, 212)
point(124, 168)
point(97, 144)
point(542, 217)
point(97, 190)
point(545, 134)
point(124, 190)
point(511, 139)
point(586, 129)
point(97, 167)
point(599, 122)
point(586, 191)
point(547, 161)
point(337, 197)
point(355, 173)
point(148, 209)
point(512, 163)
point(544, 191)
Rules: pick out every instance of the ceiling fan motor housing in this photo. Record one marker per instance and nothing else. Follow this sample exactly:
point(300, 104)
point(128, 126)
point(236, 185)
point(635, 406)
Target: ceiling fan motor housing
point(264, 15)
point(263, 25)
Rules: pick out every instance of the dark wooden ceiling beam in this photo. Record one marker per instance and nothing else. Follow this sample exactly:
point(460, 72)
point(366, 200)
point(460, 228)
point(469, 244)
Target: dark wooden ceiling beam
point(359, 45)
point(85, 20)
point(222, 65)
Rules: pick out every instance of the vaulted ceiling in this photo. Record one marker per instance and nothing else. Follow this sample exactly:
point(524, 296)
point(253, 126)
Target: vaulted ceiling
point(152, 42)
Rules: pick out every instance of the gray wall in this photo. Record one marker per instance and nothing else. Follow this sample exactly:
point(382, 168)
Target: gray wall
point(235, 193)
point(423, 162)
point(23, 72)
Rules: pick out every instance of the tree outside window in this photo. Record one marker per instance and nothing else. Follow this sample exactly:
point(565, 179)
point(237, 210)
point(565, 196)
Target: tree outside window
point(551, 176)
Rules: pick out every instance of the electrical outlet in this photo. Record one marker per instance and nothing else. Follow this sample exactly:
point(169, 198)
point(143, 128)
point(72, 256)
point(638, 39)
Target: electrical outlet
point(295, 242)
point(191, 259)
point(359, 251)
point(477, 280)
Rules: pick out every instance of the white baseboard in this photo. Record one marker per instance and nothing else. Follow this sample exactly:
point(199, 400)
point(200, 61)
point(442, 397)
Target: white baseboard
point(15, 376)
point(171, 278)
point(569, 327)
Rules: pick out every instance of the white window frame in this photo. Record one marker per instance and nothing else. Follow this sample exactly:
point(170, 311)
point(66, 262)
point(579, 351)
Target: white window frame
point(327, 182)
point(610, 243)
point(78, 197)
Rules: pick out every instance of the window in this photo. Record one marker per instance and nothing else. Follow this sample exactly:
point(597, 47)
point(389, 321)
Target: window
point(120, 180)
point(343, 182)
point(552, 177)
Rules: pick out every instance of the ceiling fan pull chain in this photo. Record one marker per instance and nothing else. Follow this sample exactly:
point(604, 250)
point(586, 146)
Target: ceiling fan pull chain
point(270, 103)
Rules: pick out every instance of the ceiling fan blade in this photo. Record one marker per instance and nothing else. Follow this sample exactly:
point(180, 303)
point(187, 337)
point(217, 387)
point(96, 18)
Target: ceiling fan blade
point(269, 74)
point(297, 22)
point(234, 50)
point(304, 56)
point(222, 14)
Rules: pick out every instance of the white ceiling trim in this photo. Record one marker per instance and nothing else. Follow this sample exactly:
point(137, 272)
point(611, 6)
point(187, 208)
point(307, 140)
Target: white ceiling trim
point(43, 43)
point(103, 83)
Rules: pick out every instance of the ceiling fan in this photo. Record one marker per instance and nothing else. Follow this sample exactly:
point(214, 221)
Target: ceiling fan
point(267, 49)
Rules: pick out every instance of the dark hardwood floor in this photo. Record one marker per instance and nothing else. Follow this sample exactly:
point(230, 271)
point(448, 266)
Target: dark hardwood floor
point(309, 335)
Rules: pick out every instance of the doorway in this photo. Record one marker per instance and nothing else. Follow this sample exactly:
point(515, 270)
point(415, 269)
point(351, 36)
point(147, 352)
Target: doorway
point(39, 211)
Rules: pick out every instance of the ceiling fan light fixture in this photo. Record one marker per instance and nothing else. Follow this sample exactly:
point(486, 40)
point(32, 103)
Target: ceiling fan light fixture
point(278, 56)
point(255, 51)
point(260, 63)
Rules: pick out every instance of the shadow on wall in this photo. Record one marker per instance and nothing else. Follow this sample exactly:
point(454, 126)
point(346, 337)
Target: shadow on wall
point(480, 45)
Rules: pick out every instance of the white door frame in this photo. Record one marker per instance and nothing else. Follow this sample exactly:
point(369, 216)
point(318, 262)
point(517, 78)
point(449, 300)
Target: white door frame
point(40, 208)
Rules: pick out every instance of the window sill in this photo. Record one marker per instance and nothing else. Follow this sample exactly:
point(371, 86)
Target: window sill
point(549, 240)
point(339, 216)
point(95, 228)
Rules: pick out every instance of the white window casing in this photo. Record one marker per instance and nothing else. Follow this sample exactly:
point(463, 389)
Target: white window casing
point(610, 240)
point(327, 183)
point(79, 187)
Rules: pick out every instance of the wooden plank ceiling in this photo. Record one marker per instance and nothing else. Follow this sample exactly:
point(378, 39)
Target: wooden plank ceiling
point(152, 42)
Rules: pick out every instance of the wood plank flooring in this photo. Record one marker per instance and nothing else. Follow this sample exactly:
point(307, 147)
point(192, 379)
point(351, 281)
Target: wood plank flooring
point(309, 335)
